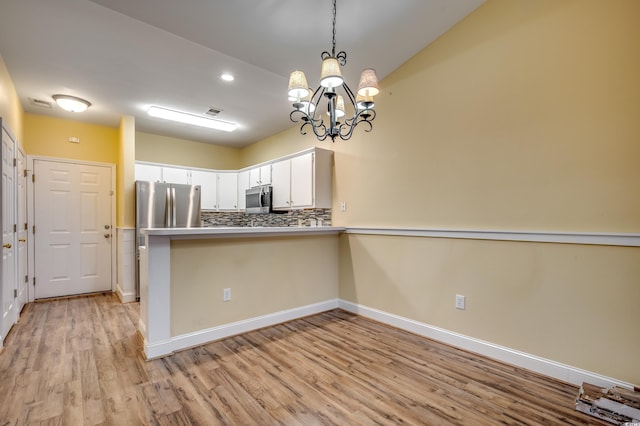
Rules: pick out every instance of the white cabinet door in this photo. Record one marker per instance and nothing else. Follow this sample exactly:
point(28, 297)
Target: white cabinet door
point(175, 175)
point(148, 172)
point(302, 181)
point(227, 191)
point(260, 175)
point(281, 183)
point(208, 182)
point(254, 177)
point(265, 174)
point(243, 185)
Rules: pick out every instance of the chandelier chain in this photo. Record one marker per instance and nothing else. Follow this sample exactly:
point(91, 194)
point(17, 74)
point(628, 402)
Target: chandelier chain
point(333, 45)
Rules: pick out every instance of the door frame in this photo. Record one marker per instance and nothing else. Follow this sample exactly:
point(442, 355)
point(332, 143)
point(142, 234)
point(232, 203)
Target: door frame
point(31, 219)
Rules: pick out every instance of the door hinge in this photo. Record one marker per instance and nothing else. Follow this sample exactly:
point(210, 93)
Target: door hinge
point(33, 177)
point(26, 278)
point(25, 173)
point(34, 281)
point(15, 162)
point(15, 227)
point(26, 227)
point(15, 293)
point(34, 229)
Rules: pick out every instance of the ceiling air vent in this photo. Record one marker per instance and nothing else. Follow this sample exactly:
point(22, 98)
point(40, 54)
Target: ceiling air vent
point(213, 112)
point(40, 103)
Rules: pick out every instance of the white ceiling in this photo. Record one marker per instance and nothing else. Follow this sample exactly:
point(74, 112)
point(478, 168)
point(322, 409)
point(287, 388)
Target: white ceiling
point(127, 55)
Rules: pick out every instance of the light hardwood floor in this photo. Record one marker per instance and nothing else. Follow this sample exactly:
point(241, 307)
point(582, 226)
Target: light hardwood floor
point(78, 361)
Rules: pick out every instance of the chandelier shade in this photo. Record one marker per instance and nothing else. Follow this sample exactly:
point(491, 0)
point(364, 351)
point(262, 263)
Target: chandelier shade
point(368, 83)
point(332, 95)
point(298, 86)
point(330, 76)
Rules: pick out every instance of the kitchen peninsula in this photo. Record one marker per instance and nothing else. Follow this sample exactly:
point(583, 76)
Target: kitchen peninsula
point(202, 284)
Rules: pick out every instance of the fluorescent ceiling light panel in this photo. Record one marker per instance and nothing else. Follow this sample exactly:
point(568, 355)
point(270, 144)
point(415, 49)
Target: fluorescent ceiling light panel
point(196, 120)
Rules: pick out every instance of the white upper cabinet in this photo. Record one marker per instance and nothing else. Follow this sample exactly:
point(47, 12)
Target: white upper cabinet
point(260, 175)
point(243, 185)
point(302, 181)
point(227, 190)
point(281, 183)
point(176, 175)
point(148, 172)
point(208, 182)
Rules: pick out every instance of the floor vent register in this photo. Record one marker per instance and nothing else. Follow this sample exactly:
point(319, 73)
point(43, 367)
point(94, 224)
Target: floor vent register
point(616, 405)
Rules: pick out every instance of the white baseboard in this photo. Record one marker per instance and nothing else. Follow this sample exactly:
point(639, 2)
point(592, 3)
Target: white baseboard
point(563, 372)
point(185, 341)
point(127, 297)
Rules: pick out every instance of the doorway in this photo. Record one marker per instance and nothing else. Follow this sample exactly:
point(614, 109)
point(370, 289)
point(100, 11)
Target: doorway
point(73, 211)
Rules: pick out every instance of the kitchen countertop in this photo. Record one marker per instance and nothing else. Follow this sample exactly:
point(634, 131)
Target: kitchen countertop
point(229, 232)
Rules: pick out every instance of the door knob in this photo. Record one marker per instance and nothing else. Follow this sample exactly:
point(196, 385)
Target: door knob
point(22, 240)
point(107, 227)
point(7, 245)
point(107, 235)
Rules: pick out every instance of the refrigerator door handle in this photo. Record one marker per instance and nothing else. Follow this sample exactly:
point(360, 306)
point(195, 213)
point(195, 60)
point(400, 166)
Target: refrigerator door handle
point(173, 207)
point(167, 209)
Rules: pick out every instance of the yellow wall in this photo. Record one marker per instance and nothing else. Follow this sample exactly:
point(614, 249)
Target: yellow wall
point(10, 109)
point(48, 136)
point(180, 152)
point(265, 274)
point(126, 179)
point(524, 116)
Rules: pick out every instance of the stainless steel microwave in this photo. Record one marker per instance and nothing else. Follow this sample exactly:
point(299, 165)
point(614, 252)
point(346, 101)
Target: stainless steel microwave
point(258, 199)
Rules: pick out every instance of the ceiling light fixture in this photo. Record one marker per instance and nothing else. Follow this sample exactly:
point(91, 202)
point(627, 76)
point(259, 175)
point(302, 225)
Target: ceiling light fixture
point(226, 76)
point(305, 104)
point(196, 120)
point(71, 103)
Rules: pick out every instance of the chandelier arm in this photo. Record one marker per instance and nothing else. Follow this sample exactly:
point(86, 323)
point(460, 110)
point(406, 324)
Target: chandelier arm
point(350, 95)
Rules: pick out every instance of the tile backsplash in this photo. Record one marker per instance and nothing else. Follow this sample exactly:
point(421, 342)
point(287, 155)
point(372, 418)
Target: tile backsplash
point(309, 217)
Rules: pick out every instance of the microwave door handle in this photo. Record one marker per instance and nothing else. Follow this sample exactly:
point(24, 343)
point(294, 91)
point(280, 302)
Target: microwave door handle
point(260, 198)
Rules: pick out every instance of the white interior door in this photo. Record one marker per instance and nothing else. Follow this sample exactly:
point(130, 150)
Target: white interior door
point(9, 306)
point(72, 216)
point(21, 211)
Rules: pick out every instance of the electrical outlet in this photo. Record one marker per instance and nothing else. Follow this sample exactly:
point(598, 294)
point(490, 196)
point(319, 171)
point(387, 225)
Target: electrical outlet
point(460, 301)
point(226, 294)
point(343, 206)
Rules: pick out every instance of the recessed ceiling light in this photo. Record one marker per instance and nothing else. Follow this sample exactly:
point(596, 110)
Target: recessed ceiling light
point(196, 120)
point(71, 103)
point(225, 76)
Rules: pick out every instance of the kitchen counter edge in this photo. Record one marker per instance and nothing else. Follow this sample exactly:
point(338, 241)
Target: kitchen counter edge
point(227, 232)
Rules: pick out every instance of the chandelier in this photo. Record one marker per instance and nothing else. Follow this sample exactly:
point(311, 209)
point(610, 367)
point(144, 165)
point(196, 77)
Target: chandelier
point(333, 92)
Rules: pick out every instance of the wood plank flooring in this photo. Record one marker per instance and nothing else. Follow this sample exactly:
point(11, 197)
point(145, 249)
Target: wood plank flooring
point(78, 361)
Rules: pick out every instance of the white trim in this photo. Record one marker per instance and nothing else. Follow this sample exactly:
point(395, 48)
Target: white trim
point(597, 238)
point(168, 346)
point(550, 368)
point(125, 296)
point(126, 264)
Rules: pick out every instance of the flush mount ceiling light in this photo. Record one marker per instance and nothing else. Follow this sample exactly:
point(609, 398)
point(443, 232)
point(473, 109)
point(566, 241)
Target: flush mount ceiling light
point(71, 103)
point(196, 120)
point(226, 76)
point(306, 105)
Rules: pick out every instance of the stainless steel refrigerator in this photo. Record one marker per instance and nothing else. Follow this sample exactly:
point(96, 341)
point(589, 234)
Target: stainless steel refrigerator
point(164, 205)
